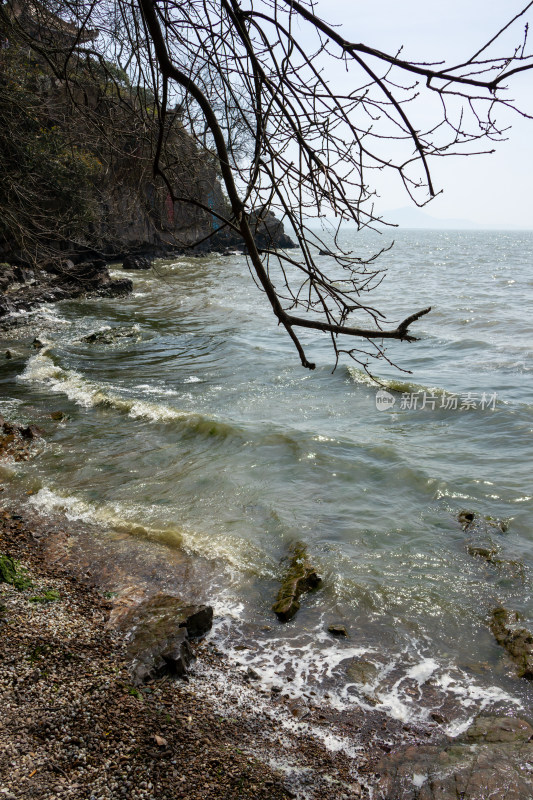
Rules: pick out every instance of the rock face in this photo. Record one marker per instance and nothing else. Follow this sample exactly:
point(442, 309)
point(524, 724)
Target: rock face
point(23, 289)
point(267, 229)
point(158, 632)
point(488, 762)
point(269, 232)
point(516, 640)
point(300, 577)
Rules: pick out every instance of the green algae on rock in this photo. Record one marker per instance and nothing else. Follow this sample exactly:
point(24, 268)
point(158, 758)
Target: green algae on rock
point(300, 577)
point(11, 572)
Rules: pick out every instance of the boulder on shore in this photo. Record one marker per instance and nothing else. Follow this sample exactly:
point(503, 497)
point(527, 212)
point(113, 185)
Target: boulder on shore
point(159, 632)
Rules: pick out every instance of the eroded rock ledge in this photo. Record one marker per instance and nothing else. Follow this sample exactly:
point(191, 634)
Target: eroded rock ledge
point(23, 288)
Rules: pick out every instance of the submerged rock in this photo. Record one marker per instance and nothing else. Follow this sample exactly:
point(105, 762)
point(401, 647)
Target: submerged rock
point(517, 641)
point(481, 543)
point(111, 335)
point(471, 520)
point(15, 439)
point(359, 670)
point(489, 553)
point(159, 630)
point(300, 577)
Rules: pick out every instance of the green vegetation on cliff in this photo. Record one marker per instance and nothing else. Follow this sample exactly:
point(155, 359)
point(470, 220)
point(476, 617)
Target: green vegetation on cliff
point(77, 151)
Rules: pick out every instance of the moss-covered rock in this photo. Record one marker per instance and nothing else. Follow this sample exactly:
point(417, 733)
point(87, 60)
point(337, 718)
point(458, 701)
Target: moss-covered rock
point(490, 728)
point(11, 572)
point(300, 577)
point(489, 762)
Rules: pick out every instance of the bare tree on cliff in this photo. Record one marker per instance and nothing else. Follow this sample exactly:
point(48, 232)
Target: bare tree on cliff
point(229, 63)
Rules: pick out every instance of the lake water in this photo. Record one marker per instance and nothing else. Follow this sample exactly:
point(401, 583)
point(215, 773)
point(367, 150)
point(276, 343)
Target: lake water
point(193, 431)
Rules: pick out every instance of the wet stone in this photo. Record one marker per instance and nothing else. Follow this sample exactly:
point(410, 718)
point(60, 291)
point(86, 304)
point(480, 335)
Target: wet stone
point(472, 522)
point(488, 553)
point(300, 576)
point(499, 729)
point(517, 641)
point(136, 262)
point(488, 763)
point(337, 630)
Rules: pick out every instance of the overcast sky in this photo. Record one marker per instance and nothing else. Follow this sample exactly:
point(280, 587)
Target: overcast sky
point(492, 189)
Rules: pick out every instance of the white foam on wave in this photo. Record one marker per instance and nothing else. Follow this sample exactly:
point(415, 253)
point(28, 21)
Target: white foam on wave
point(88, 394)
point(77, 509)
point(408, 687)
point(48, 313)
point(10, 405)
point(472, 697)
point(147, 388)
point(395, 701)
point(307, 661)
